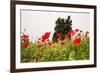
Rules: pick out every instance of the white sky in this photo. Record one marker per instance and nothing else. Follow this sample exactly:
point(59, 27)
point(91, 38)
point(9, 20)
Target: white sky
point(38, 22)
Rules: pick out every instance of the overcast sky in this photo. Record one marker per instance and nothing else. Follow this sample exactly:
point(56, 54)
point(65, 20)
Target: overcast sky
point(38, 22)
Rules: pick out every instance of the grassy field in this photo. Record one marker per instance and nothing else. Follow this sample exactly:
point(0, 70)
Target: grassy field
point(63, 50)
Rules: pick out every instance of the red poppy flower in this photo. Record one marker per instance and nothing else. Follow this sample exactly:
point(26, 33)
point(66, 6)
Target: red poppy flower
point(40, 45)
point(62, 42)
point(58, 34)
point(76, 30)
point(26, 44)
point(51, 42)
point(69, 38)
point(67, 35)
point(76, 41)
point(79, 34)
point(71, 31)
point(24, 37)
point(73, 34)
point(45, 36)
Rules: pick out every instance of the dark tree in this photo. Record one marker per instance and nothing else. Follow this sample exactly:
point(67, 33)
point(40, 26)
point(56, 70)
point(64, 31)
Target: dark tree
point(62, 26)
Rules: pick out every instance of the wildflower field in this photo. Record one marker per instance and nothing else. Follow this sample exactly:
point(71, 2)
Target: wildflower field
point(67, 44)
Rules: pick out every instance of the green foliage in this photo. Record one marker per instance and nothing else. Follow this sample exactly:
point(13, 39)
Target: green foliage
point(56, 52)
point(62, 26)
